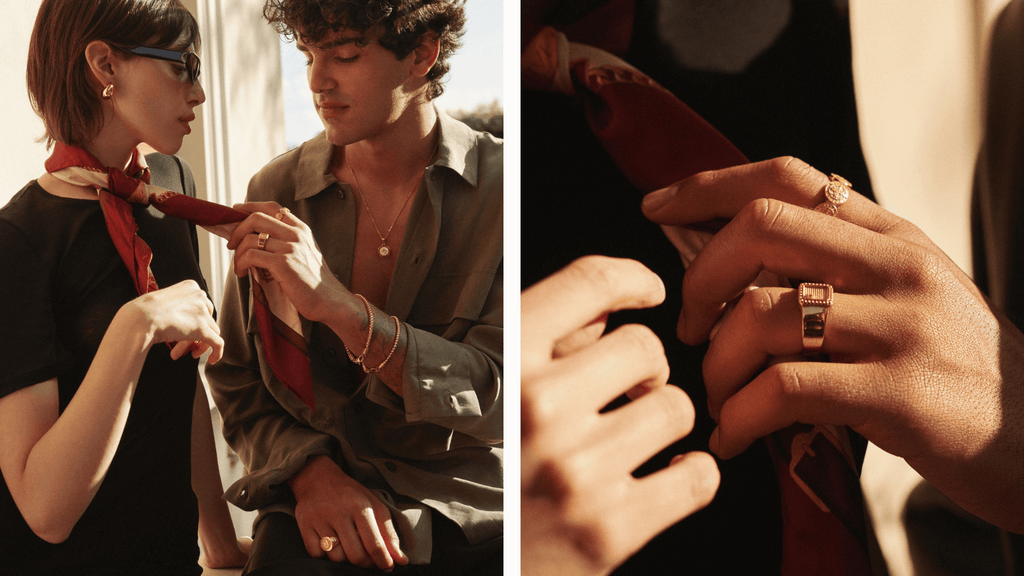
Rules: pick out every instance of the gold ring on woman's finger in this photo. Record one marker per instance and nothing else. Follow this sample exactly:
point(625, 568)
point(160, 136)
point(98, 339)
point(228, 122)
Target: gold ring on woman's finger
point(327, 543)
point(280, 213)
point(815, 300)
point(837, 191)
point(261, 240)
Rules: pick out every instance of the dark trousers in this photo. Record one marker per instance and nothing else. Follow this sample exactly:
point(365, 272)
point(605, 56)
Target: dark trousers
point(277, 550)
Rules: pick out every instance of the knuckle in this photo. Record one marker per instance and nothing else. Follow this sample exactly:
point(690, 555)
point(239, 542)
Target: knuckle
point(758, 305)
point(793, 173)
point(764, 216)
point(920, 270)
point(788, 381)
point(640, 344)
point(538, 409)
point(702, 479)
point(674, 408)
point(704, 179)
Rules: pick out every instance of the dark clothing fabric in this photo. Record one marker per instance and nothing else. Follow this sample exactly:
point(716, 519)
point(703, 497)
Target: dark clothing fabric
point(63, 284)
point(575, 202)
point(278, 550)
point(439, 445)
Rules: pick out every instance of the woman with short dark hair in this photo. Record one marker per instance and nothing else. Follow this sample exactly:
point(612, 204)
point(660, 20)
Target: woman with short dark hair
point(106, 446)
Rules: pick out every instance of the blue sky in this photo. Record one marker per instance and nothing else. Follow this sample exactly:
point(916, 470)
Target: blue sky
point(475, 79)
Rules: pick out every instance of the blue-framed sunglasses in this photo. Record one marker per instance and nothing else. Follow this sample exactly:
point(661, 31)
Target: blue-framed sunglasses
point(189, 59)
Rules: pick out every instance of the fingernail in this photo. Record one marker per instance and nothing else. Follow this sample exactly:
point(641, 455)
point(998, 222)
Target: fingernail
point(655, 200)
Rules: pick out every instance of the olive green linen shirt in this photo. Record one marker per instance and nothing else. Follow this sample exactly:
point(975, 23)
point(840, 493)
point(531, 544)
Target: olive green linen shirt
point(441, 445)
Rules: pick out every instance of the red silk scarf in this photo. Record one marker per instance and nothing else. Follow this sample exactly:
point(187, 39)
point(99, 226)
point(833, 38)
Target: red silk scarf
point(656, 140)
point(283, 344)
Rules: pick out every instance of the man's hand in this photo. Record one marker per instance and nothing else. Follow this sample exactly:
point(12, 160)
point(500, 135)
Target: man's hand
point(329, 503)
point(291, 255)
point(921, 364)
point(582, 510)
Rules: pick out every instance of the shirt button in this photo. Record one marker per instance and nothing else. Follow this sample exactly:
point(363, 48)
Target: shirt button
point(390, 466)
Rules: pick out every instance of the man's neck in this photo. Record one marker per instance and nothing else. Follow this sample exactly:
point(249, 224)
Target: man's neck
point(400, 152)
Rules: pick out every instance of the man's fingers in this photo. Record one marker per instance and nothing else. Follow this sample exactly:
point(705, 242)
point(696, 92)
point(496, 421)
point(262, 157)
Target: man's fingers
point(767, 323)
point(260, 222)
point(392, 541)
point(351, 538)
point(819, 392)
point(788, 241)
point(311, 539)
point(271, 208)
point(373, 537)
point(583, 291)
point(718, 194)
point(723, 193)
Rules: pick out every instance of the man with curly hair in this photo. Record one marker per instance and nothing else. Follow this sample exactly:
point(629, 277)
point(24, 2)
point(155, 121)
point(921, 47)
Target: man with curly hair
point(385, 233)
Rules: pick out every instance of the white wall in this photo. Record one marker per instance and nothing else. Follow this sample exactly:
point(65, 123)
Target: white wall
point(21, 158)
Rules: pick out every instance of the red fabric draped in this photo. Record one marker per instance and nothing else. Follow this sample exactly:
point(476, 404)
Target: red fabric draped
point(284, 349)
point(656, 140)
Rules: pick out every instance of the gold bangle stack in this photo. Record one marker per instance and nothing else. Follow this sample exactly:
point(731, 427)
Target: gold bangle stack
point(369, 334)
point(394, 346)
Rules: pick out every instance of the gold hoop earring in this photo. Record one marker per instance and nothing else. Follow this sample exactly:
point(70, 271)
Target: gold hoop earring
point(108, 92)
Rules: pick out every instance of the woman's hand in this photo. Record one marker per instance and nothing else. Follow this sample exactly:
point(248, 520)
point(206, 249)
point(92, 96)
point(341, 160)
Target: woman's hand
point(921, 365)
point(583, 511)
point(232, 555)
point(182, 314)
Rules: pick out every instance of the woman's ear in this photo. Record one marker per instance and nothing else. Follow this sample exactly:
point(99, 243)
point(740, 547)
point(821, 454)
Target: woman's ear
point(102, 62)
point(425, 55)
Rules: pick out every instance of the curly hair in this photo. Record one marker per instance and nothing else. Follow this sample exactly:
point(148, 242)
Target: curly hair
point(400, 24)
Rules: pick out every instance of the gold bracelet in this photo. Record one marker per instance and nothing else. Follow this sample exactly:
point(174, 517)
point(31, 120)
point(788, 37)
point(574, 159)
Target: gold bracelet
point(398, 334)
point(369, 334)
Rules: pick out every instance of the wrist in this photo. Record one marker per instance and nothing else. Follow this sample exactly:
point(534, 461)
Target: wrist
point(306, 478)
point(133, 324)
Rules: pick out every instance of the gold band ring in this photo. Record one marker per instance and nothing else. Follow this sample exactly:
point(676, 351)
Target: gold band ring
point(815, 300)
point(261, 241)
point(327, 543)
point(280, 213)
point(837, 191)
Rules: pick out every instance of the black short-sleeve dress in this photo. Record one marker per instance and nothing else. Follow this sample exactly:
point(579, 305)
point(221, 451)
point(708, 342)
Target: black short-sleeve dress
point(62, 283)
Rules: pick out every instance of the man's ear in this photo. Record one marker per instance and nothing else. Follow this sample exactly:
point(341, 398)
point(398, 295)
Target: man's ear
point(102, 61)
point(425, 55)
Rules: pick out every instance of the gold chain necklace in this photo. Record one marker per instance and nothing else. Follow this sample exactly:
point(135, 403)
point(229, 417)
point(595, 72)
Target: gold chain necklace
point(384, 251)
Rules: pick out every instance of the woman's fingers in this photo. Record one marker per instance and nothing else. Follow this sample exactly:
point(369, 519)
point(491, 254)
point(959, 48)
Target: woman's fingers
point(628, 356)
point(585, 290)
point(637, 431)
